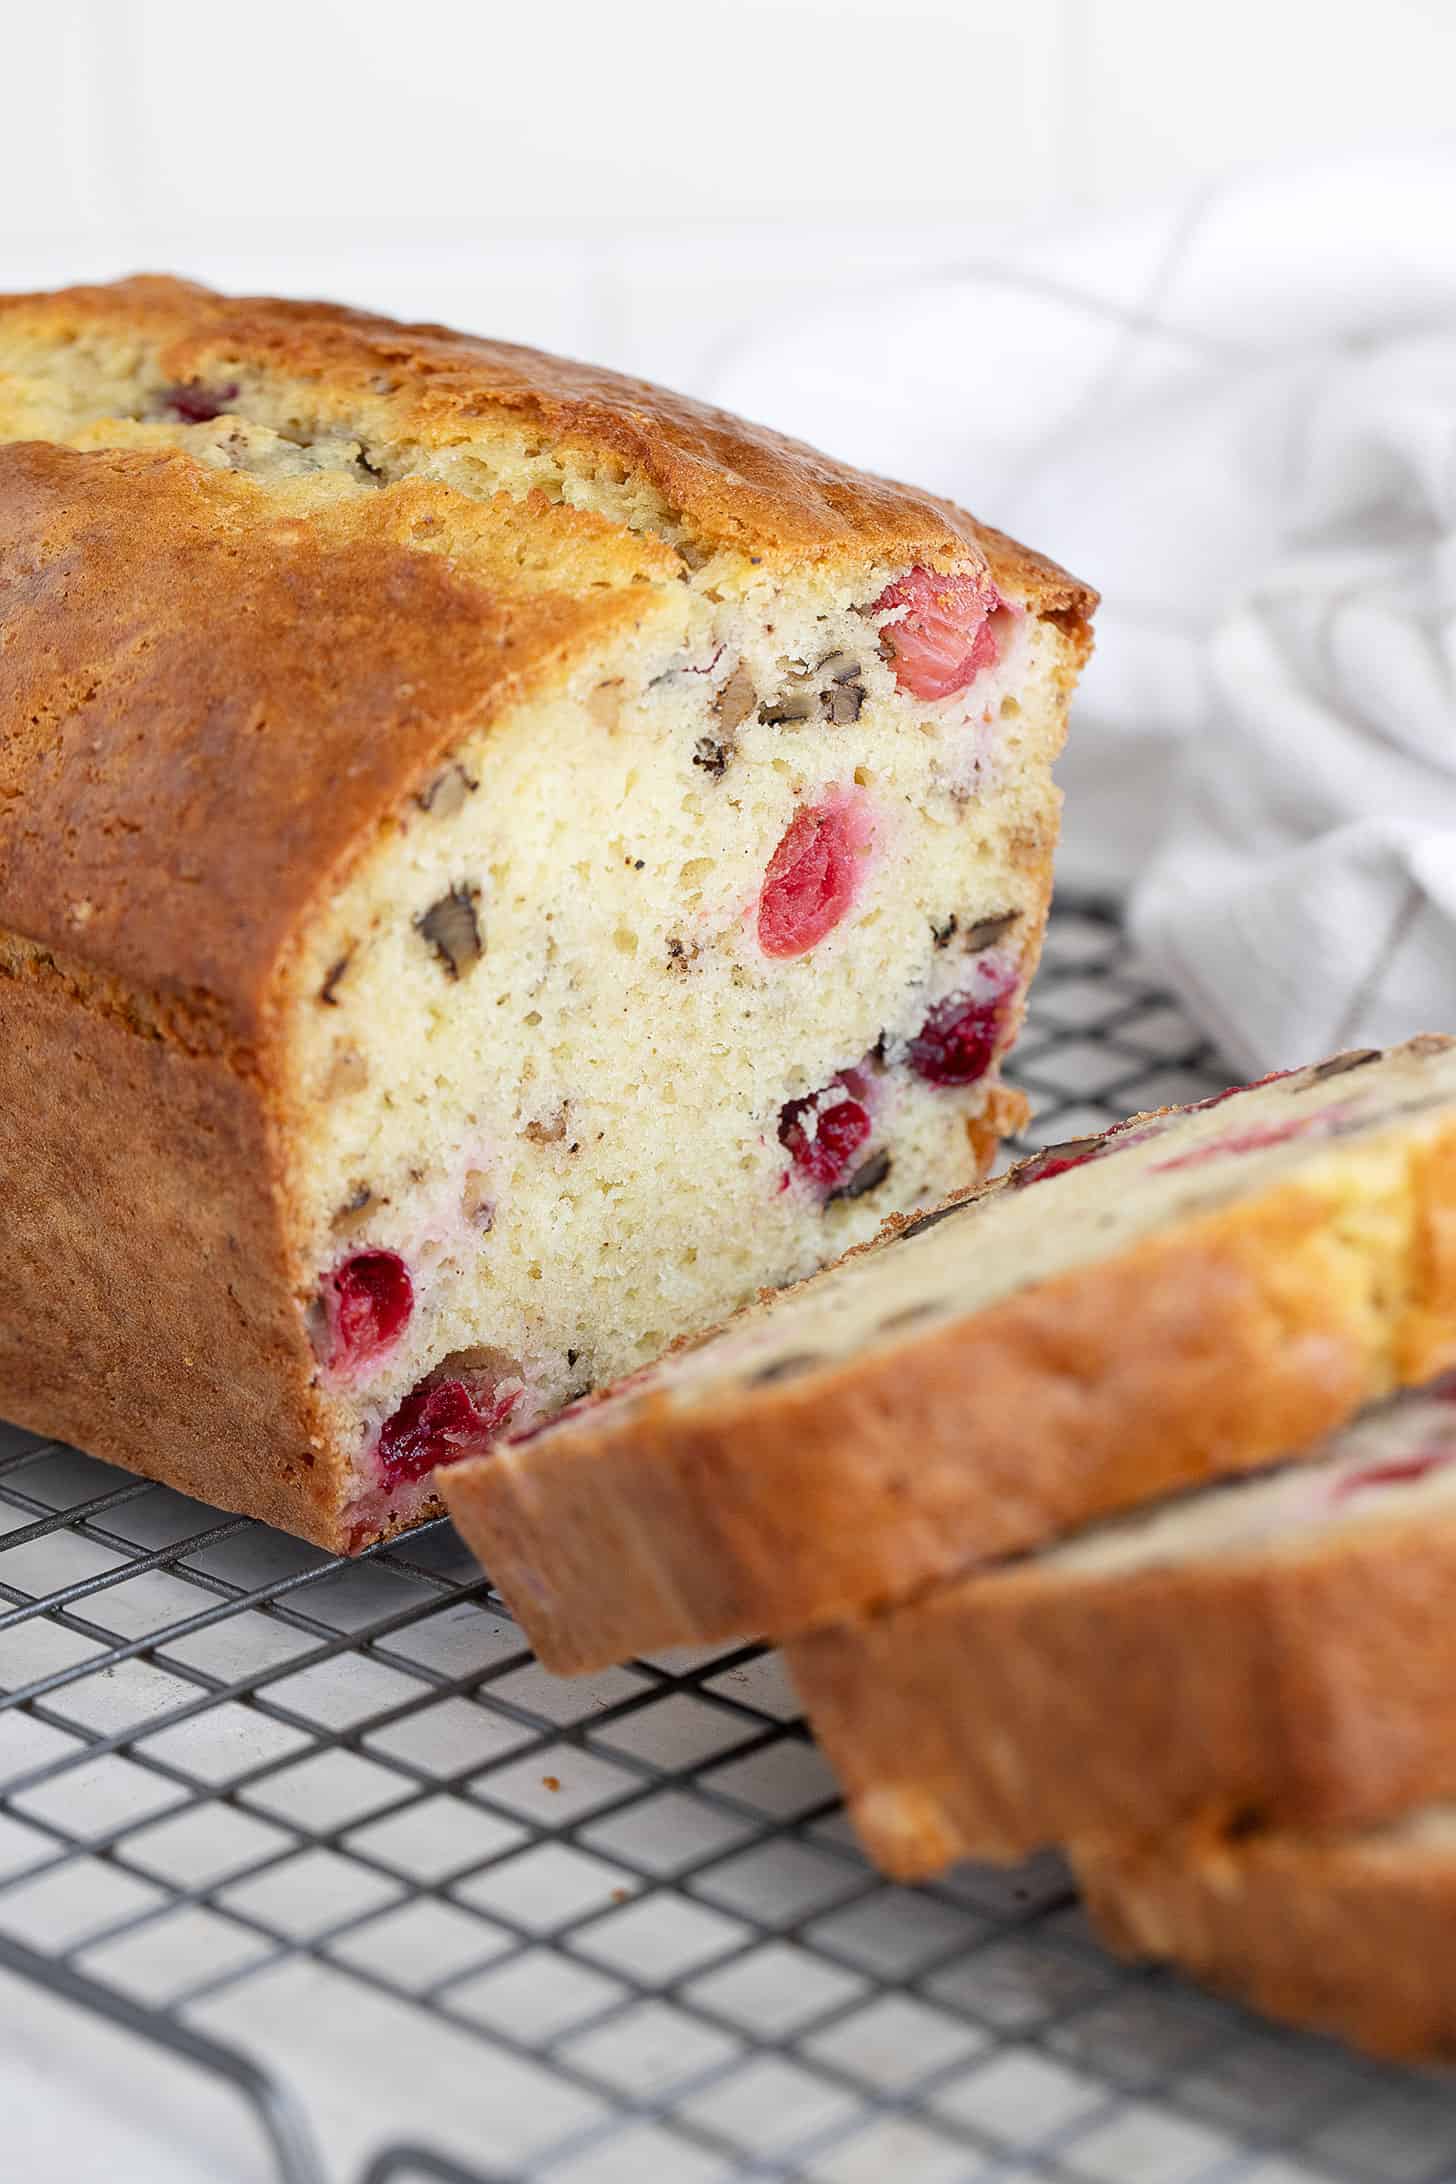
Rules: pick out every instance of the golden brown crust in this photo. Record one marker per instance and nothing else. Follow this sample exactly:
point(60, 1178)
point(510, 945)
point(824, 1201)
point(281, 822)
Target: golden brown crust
point(1053, 594)
point(1430, 1305)
point(1347, 1935)
point(198, 733)
point(1002, 1114)
point(198, 736)
point(208, 704)
point(1020, 1708)
point(1195, 1353)
point(731, 482)
point(146, 1312)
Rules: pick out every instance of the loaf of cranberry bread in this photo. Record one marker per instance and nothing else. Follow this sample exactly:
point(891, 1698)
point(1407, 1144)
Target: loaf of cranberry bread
point(497, 863)
point(1347, 1932)
point(1277, 1648)
point(1192, 1295)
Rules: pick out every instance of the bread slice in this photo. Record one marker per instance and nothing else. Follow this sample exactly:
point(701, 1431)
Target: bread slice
point(1190, 1296)
point(1276, 1649)
point(1350, 1933)
point(497, 863)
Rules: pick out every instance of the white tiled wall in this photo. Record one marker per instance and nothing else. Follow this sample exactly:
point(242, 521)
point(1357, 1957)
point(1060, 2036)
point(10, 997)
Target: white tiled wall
point(1167, 92)
point(637, 178)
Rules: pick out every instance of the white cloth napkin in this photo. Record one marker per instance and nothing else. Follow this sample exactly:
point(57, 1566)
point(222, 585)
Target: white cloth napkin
point(1236, 416)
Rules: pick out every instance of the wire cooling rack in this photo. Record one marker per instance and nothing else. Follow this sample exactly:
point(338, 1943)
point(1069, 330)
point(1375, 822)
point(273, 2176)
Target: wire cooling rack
point(328, 1833)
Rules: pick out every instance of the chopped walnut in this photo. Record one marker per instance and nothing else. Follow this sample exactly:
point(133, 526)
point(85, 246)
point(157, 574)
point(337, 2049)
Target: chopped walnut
point(843, 700)
point(786, 1368)
point(453, 930)
point(446, 794)
point(347, 1072)
point(328, 991)
point(737, 698)
point(787, 711)
point(987, 931)
point(604, 703)
point(834, 690)
point(476, 1201)
point(348, 1215)
point(1339, 1065)
point(479, 1358)
point(548, 1133)
point(867, 1177)
point(842, 703)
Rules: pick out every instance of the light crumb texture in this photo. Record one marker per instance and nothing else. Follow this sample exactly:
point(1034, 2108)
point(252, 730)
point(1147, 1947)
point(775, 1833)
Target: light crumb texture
point(1269, 1649)
point(1351, 1933)
point(498, 864)
point(1190, 1296)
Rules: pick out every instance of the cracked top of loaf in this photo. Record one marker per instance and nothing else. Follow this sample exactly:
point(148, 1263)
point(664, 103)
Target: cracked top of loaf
point(675, 467)
point(262, 563)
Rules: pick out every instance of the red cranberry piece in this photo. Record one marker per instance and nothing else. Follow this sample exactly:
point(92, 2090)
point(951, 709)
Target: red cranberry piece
point(1396, 1471)
point(441, 1423)
point(813, 877)
point(1077, 1152)
point(957, 1042)
point(1053, 1162)
point(841, 1129)
point(194, 404)
point(1253, 1140)
point(367, 1303)
point(946, 636)
point(1216, 1099)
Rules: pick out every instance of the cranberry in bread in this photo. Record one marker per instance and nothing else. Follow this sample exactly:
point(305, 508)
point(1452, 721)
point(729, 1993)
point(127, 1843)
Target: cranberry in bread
point(497, 863)
point(1191, 1295)
point(1268, 1651)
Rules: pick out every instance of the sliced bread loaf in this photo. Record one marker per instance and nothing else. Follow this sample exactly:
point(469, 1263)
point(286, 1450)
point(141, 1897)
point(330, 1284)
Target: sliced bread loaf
point(1351, 1933)
point(1192, 1295)
point(497, 863)
point(1275, 1648)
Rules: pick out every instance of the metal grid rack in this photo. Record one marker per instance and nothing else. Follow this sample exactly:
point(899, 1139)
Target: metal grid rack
point(328, 1832)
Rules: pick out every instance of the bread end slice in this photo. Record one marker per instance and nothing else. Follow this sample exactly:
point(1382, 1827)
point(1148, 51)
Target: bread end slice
point(1348, 1934)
